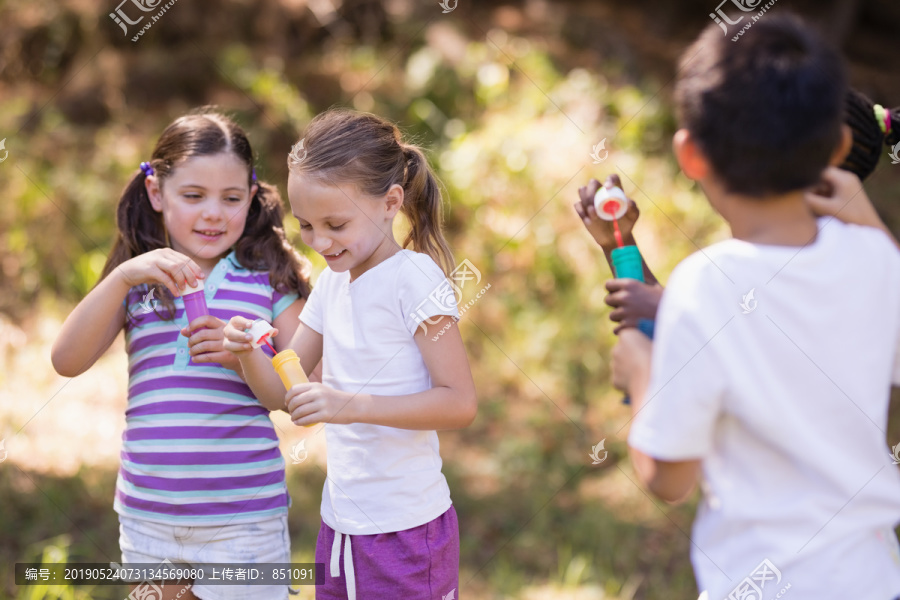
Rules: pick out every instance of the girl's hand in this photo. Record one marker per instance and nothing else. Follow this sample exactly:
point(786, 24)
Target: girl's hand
point(311, 403)
point(164, 265)
point(840, 194)
point(237, 339)
point(603, 231)
point(631, 362)
point(632, 300)
point(206, 344)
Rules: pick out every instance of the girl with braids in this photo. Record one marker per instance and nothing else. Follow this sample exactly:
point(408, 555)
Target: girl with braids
point(201, 478)
point(388, 529)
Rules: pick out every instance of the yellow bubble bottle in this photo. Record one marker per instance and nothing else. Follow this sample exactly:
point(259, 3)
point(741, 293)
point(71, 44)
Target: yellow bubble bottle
point(287, 365)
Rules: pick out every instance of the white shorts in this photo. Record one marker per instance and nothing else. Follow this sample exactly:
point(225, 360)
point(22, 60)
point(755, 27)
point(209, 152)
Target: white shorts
point(262, 542)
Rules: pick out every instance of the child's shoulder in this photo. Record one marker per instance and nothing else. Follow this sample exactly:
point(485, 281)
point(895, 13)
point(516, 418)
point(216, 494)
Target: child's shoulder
point(708, 264)
point(417, 270)
point(866, 238)
point(409, 261)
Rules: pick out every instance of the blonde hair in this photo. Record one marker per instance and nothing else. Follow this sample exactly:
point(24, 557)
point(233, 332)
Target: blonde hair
point(344, 146)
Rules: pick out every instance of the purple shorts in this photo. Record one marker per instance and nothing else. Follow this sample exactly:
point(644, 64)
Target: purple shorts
point(421, 563)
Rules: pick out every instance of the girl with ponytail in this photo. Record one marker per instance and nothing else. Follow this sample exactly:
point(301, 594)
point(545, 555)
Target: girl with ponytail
point(388, 528)
point(201, 477)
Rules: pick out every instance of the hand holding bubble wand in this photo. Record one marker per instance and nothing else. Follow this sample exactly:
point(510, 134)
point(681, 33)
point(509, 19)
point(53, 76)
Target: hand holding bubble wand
point(611, 204)
point(627, 263)
point(286, 363)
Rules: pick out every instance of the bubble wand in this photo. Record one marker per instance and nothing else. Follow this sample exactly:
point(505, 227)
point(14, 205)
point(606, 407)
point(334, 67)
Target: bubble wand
point(286, 363)
point(611, 204)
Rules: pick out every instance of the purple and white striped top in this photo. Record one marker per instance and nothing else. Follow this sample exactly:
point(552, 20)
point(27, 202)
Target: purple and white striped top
point(198, 447)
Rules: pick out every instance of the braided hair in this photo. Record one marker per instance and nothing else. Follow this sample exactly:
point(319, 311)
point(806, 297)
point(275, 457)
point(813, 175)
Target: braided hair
point(868, 139)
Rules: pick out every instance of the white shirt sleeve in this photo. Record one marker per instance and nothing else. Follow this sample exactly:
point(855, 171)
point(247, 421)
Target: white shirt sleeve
point(896, 378)
point(684, 400)
point(311, 315)
point(425, 291)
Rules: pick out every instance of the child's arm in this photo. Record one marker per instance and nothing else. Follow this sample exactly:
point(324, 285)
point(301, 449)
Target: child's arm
point(93, 325)
point(451, 402)
point(841, 195)
point(256, 367)
point(602, 230)
point(671, 481)
point(207, 342)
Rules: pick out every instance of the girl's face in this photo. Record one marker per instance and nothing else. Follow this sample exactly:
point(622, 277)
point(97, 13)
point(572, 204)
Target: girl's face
point(204, 204)
point(351, 230)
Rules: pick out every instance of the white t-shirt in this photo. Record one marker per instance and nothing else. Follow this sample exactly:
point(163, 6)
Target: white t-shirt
point(380, 479)
point(784, 397)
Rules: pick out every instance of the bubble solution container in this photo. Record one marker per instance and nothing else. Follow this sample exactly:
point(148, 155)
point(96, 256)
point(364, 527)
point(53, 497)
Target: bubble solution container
point(287, 365)
point(627, 264)
point(194, 301)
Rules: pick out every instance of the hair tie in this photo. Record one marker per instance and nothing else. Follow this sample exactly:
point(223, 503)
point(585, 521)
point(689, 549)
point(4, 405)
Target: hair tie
point(883, 117)
point(147, 169)
point(253, 175)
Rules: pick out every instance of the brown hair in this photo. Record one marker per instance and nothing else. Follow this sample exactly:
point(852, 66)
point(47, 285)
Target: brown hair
point(344, 146)
point(262, 245)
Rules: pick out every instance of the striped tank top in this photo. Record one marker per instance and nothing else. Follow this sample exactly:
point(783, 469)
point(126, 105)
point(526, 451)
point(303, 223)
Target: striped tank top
point(198, 447)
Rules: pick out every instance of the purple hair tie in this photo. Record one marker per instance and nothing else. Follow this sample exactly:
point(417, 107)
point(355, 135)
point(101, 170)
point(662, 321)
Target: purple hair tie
point(147, 169)
point(253, 175)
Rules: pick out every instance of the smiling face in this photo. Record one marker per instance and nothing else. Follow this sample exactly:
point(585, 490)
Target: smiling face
point(204, 204)
point(351, 230)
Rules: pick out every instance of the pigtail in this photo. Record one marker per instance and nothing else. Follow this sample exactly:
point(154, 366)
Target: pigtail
point(139, 229)
point(264, 245)
point(422, 207)
point(868, 138)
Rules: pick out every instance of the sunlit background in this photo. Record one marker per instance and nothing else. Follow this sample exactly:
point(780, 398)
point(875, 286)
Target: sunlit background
point(509, 98)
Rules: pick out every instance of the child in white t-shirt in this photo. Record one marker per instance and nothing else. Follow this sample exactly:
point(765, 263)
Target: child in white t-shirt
point(774, 351)
point(383, 320)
